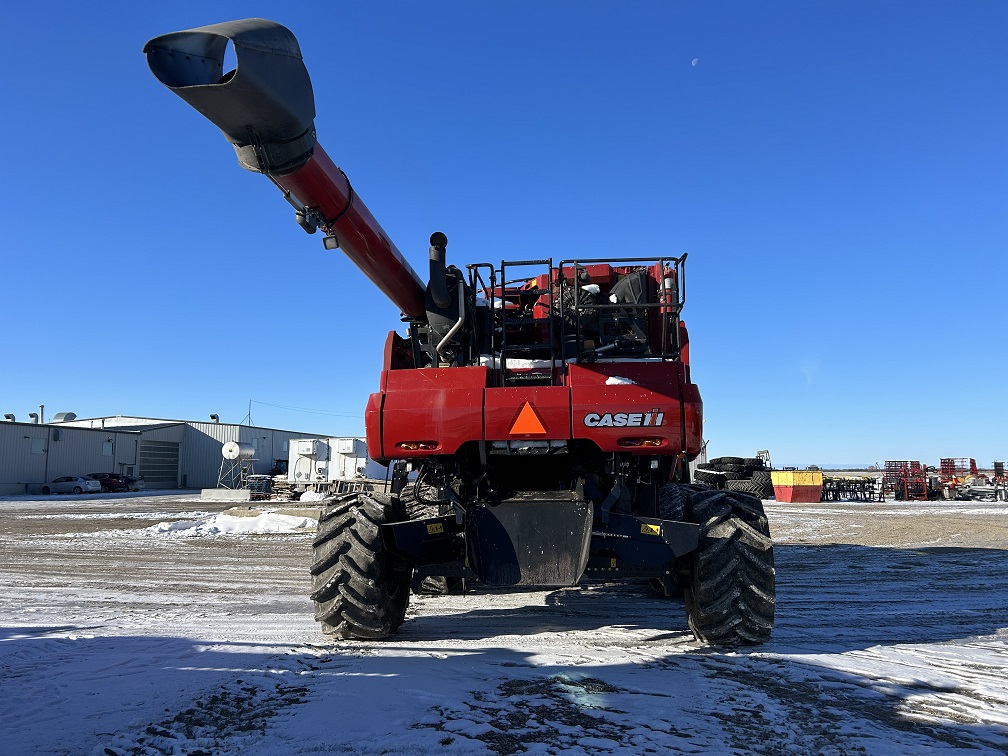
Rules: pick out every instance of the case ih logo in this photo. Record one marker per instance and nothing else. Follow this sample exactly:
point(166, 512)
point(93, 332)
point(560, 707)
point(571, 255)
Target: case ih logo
point(624, 419)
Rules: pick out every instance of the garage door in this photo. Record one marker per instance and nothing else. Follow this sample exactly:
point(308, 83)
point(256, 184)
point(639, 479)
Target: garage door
point(159, 464)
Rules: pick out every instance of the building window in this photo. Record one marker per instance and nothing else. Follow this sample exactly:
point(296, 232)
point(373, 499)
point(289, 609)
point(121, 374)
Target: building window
point(106, 448)
point(255, 443)
point(38, 446)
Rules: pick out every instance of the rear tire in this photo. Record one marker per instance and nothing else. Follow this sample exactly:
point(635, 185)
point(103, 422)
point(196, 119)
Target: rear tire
point(357, 591)
point(730, 592)
point(77, 490)
point(45, 490)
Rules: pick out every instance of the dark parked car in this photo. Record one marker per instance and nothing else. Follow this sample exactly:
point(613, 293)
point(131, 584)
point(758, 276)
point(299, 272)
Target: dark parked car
point(111, 482)
point(135, 484)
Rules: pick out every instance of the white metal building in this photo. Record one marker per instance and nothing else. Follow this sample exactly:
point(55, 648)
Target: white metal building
point(165, 453)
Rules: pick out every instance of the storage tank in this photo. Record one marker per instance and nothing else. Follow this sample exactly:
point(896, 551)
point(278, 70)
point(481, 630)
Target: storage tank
point(234, 450)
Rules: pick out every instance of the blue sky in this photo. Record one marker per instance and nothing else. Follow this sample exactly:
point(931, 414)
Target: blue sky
point(836, 172)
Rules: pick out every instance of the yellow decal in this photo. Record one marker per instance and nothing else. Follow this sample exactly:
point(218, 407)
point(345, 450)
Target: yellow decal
point(648, 529)
point(612, 563)
point(434, 528)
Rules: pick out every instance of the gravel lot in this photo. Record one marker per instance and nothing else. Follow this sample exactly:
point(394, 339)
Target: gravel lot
point(139, 624)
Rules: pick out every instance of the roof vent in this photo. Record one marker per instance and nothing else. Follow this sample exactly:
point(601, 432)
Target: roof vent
point(9, 417)
point(64, 417)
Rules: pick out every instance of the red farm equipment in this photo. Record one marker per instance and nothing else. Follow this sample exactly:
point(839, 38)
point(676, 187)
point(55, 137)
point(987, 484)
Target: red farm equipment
point(544, 407)
point(962, 480)
point(955, 472)
point(957, 467)
point(907, 480)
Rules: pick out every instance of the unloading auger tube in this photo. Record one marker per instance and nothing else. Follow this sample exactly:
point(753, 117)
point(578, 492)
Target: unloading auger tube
point(266, 109)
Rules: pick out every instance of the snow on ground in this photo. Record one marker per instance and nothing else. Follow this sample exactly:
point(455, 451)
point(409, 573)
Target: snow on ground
point(267, 522)
point(150, 625)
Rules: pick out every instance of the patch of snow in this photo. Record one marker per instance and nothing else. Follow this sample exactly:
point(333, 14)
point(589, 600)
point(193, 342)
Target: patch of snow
point(225, 524)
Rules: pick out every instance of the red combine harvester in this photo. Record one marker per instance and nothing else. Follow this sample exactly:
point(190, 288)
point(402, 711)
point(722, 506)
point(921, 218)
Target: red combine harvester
point(545, 406)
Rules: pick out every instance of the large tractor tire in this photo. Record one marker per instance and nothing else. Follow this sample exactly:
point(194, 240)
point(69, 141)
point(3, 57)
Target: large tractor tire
point(357, 591)
point(763, 479)
point(710, 478)
point(742, 470)
point(745, 486)
point(730, 591)
point(727, 460)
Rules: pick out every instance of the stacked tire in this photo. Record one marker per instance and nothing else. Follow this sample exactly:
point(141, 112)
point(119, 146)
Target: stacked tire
point(742, 474)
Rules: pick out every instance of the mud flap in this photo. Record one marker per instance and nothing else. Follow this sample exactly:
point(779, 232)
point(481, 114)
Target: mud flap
point(535, 538)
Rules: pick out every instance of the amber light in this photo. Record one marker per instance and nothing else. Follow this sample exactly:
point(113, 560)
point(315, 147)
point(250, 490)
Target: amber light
point(417, 445)
point(649, 441)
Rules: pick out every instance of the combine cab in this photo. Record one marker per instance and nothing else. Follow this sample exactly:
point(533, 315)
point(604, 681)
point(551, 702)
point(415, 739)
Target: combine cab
point(544, 407)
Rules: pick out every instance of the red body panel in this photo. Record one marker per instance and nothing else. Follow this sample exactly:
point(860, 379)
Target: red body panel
point(550, 405)
point(446, 407)
point(656, 405)
point(320, 184)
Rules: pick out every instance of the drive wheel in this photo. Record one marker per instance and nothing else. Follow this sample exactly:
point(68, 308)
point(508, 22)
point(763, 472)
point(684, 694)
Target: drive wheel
point(77, 490)
point(730, 591)
point(357, 590)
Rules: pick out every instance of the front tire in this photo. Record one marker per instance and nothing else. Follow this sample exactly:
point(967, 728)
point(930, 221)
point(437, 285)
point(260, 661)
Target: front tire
point(730, 592)
point(45, 490)
point(357, 590)
point(78, 489)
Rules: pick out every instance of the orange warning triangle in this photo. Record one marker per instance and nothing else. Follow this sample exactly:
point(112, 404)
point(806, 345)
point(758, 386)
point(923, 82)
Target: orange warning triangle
point(527, 421)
